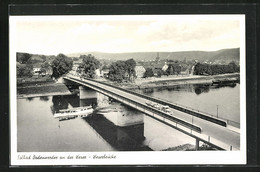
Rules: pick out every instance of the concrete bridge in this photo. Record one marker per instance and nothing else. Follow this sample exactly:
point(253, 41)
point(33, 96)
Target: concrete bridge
point(202, 127)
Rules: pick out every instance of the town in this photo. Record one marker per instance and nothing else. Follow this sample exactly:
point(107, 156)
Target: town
point(40, 69)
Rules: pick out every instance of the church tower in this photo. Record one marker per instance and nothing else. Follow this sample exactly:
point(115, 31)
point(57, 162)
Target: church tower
point(157, 58)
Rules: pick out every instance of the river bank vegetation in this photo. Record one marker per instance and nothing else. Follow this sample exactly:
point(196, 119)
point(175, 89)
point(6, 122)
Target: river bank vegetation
point(120, 71)
point(208, 69)
point(40, 71)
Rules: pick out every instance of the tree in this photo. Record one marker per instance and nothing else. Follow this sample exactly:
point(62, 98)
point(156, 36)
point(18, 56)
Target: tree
point(61, 65)
point(202, 69)
point(171, 69)
point(24, 70)
point(159, 73)
point(148, 73)
point(117, 71)
point(232, 67)
point(178, 69)
point(45, 65)
point(23, 57)
point(89, 64)
point(43, 57)
point(130, 65)
point(122, 70)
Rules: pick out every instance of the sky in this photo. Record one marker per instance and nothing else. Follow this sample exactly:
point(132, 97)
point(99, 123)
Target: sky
point(51, 35)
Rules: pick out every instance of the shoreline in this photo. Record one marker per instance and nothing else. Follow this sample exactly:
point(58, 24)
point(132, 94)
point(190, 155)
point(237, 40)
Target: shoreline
point(168, 82)
point(42, 90)
point(21, 96)
point(61, 89)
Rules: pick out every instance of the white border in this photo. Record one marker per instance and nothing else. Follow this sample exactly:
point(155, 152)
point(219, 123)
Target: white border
point(130, 158)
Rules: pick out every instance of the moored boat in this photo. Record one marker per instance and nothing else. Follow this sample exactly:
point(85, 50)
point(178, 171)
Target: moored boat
point(74, 112)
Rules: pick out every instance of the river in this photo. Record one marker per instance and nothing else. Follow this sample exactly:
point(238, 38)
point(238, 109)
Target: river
point(107, 129)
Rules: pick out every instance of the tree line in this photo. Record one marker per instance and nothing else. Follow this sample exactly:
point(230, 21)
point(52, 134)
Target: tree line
point(173, 69)
point(207, 69)
point(120, 71)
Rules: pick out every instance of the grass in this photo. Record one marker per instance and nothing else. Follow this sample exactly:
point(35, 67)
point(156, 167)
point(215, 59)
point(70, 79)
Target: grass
point(29, 81)
point(43, 89)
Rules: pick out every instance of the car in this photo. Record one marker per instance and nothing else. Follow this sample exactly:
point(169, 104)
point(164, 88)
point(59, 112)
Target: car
point(149, 103)
point(166, 109)
point(156, 106)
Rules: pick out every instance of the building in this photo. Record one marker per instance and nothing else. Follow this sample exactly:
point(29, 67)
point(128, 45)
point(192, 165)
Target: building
point(36, 70)
point(104, 73)
point(157, 59)
point(165, 67)
point(76, 67)
point(98, 72)
point(139, 70)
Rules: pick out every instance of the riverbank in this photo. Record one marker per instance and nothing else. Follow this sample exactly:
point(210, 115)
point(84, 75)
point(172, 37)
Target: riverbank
point(49, 89)
point(195, 79)
point(42, 90)
point(153, 82)
point(189, 147)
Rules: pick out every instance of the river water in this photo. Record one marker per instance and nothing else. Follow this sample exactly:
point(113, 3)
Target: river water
point(108, 128)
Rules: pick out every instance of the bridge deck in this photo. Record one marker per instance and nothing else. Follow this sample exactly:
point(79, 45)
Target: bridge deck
point(181, 108)
point(210, 132)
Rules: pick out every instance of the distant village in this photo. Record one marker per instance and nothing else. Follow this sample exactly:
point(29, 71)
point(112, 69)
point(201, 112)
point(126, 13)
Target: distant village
point(39, 67)
point(157, 66)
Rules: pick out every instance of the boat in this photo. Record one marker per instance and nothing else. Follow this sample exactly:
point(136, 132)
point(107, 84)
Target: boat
point(74, 112)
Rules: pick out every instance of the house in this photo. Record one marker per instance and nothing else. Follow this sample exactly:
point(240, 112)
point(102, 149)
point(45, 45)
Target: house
point(104, 73)
point(185, 71)
point(165, 67)
point(36, 70)
point(76, 67)
point(48, 71)
point(98, 72)
point(139, 70)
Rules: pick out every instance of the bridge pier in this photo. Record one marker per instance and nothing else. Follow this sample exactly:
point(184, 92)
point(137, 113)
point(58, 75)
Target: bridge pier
point(197, 144)
point(87, 93)
point(122, 116)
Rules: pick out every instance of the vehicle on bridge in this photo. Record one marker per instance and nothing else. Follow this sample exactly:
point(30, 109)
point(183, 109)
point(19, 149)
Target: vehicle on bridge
point(165, 108)
point(74, 112)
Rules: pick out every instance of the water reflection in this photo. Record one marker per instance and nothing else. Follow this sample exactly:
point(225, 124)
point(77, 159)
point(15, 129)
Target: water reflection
point(147, 91)
point(44, 98)
point(88, 102)
point(29, 98)
point(63, 102)
point(128, 138)
point(187, 88)
point(196, 88)
point(201, 88)
point(59, 103)
point(232, 85)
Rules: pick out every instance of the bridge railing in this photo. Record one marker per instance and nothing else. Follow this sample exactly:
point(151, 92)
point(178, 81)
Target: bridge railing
point(210, 140)
point(229, 121)
point(190, 111)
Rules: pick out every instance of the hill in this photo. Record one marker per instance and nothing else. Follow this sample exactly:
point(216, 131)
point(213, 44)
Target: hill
point(26, 58)
point(224, 54)
point(227, 55)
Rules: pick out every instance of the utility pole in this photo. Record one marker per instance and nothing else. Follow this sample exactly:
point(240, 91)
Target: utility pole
point(217, 111)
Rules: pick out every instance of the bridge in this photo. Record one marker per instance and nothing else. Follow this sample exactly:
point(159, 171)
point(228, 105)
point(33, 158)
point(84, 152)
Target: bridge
point(202, 127)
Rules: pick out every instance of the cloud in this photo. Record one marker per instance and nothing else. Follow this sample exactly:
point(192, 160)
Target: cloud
point(155, 34)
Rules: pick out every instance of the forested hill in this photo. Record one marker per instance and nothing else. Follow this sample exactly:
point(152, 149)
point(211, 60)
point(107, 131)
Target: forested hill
point(26, 58)
point(224, 54)
point(220, 55)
